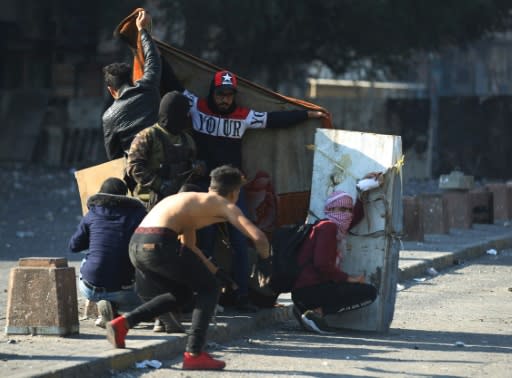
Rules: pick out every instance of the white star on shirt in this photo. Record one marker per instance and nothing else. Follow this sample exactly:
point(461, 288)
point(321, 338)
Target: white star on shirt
point(226, 79)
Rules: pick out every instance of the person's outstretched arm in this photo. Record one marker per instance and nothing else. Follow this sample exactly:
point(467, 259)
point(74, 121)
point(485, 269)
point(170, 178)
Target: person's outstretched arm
point(235, 216)
point(152, 62)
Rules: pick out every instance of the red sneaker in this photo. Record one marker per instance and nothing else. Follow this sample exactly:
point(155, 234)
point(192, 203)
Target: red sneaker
point(116, 332)
point(203, 361)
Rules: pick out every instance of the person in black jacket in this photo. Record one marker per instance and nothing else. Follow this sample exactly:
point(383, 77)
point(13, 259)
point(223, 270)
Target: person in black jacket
point(106, 273)
point(219, 125)
point(135, 107)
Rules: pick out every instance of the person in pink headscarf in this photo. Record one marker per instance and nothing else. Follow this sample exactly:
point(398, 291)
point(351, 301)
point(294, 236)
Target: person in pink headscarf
point(322, 287)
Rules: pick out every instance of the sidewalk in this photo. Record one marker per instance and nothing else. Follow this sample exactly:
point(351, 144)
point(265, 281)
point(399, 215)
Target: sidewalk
point(89, 354)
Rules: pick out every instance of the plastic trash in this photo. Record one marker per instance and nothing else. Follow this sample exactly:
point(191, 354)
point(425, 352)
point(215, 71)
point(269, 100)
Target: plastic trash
point(459, 344)
point(421, 279)
point(25, 234)
point(399, 287)
point(367, 184)
point(432, 272)
point(155, 364)
point(492, 252)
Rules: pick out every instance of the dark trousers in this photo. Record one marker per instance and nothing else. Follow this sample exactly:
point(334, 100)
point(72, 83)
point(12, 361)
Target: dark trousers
point(334, 297)
point(163, 263)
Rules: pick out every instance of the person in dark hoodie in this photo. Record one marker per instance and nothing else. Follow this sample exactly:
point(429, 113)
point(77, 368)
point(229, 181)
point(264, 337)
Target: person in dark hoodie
point(135, 106)
point(163, 157)
point(219, 125)
point(106, 273)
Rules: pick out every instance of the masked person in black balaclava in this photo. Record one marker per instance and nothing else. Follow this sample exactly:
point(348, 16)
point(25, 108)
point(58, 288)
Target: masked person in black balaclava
point(160, 161)
point(162, 157)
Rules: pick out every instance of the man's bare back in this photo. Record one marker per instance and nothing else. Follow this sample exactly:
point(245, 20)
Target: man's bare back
point(186, 212)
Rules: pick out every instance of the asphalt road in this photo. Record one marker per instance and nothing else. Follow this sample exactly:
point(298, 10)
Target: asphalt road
point(458, 324)
point(471, 304)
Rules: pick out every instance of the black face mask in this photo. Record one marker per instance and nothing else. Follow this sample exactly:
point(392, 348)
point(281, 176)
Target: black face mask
point(173, 113)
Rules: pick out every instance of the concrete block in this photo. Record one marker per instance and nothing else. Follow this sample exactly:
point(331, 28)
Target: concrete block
point(501, 200)
point(413, 221)
point(434, 211)
point(456, 180)
point(459, 209)
point(42, 298)
point(481, 206)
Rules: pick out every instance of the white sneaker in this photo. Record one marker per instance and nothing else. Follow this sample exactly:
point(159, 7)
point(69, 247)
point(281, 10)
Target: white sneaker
point(314, 322)
point(158, 326)
point(106, 313)
point(100, 322)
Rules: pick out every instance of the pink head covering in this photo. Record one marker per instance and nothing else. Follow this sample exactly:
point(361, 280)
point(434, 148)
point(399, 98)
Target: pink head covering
point(341, 218)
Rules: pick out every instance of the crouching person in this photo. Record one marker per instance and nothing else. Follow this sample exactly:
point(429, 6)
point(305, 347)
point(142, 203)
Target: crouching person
point(163, 249)
point(322, 287)
point(106, 273)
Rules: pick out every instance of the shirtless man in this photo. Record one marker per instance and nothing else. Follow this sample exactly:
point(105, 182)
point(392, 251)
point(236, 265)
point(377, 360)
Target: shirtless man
point(163, 248)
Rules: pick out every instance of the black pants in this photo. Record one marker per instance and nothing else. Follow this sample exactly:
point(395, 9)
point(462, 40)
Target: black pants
point(162, 263)
point(334, 297)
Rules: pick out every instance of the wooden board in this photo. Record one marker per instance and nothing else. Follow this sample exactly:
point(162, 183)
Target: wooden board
point(341, 158)
point(89, 180)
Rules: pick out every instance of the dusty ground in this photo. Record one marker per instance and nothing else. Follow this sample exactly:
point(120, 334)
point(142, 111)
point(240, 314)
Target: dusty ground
point(39, 211)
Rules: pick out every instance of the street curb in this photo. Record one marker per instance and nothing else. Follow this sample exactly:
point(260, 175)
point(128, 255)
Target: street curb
point(120, 359)
point(453, 258)
point(234, 326)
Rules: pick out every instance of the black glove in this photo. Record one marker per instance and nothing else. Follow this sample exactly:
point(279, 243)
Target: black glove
point(265, 266)
point(166, 188)
point(225, 278)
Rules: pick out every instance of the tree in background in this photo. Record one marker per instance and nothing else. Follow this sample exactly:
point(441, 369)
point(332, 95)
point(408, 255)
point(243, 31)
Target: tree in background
point(275, 41)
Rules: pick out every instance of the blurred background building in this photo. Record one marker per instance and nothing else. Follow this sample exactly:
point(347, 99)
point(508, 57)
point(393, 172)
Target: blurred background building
point(452, 108)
